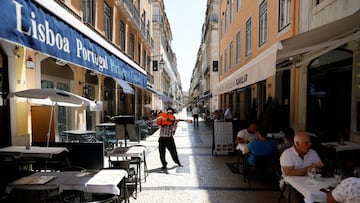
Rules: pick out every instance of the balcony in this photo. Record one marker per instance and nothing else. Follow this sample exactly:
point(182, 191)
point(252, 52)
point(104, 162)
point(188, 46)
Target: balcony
point(129, 10)
point(150, 78)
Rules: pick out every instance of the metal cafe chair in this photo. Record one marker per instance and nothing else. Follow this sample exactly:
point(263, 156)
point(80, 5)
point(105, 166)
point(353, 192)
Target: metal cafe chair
point(92, 198)
point(131, 182)
point(264, 168)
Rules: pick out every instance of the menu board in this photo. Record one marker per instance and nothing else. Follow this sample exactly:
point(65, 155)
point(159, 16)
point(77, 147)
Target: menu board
point(223, 137)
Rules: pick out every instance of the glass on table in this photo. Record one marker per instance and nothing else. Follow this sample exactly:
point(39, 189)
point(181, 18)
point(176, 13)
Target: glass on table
point(311, 172)
point(338, 174)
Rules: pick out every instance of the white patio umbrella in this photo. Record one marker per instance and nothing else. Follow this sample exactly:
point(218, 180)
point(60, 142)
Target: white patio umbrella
point(52, 97)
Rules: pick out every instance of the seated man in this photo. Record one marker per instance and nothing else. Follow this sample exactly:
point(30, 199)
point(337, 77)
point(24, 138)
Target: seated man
point(248, 134)
point(261, 147)
point(296, 160)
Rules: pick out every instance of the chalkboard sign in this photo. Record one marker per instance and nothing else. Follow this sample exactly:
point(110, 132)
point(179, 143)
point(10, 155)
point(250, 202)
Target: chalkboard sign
point(223, 137)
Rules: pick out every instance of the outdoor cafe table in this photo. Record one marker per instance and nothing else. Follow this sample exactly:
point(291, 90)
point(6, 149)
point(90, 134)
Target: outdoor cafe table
point(104, 181)
point(309, 188)
point(36, 152)
point(79, 136)
point(347, 146)
point(133, 151)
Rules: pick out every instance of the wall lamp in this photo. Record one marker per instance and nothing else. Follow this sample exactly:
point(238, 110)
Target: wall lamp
point(156, 64)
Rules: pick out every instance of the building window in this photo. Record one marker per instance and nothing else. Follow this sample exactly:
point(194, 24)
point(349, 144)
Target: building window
point(238, 48)
point(225, 60)
point(231, 11)
point(231, 54)
point(284, 13)
point(263, 23)
point(318, 2)
point(139, 53)
point(88, 10)
point(226, 20)
point(144, 59)
point(248, 37)
point(122, 35)
point(132, 46)
point(238, 5)
point(107, 21)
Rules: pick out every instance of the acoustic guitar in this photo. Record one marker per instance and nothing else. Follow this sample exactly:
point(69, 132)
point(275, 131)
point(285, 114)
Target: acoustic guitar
point(165, 119)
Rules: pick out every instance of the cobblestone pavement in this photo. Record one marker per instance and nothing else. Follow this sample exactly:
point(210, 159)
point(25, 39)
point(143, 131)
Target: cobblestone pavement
point(204, 178)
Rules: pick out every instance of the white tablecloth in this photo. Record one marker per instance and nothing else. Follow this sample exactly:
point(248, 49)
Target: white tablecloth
point(338, 147)
point(134, 151)
point(310, 189)
point(34, 150)
point(105, 181)
point(242, 147)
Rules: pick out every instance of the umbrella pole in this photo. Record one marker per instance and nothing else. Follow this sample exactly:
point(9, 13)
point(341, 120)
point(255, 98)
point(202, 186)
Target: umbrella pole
point(49, 129)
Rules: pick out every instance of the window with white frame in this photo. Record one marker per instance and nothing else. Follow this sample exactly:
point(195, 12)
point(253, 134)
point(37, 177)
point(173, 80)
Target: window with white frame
point(248, 37)
point(107, 21)
point(122, 35)
point(284, 13)
point(238, 5)
point(231, 11)
point(226, 19)
point(220, 68)
point(88, 10)
point(231, 55)
point(132, 46)
point(225, 61)
point(238, 47)
point(263, 23)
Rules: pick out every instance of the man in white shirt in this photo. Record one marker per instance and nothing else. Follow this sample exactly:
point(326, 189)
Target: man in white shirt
point(228, 114)
point(195, 113)
point(248, 134)
point(297, 159)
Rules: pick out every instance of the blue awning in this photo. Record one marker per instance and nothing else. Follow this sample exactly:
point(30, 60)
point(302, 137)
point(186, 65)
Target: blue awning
point(125, 86)
point(56, 33)
point(205, 97)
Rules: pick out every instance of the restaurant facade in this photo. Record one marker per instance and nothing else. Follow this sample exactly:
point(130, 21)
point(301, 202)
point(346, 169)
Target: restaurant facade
point(42, 45)
point(288, 64)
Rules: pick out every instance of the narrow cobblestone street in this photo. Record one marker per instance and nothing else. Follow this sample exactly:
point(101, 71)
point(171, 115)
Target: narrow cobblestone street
point(204, 177)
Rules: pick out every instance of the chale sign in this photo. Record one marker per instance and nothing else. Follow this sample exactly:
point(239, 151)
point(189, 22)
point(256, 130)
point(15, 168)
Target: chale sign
point(37, 29)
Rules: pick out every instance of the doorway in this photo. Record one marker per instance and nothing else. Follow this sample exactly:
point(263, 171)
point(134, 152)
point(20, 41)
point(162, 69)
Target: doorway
point(329, 95)
point(4, 102)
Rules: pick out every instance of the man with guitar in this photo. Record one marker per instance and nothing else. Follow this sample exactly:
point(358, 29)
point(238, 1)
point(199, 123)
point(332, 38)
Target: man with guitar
point(167, 122)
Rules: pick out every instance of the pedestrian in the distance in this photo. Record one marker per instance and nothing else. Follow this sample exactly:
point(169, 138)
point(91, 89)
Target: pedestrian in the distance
point(167, 122)
point(228, 114)
point(195, 114)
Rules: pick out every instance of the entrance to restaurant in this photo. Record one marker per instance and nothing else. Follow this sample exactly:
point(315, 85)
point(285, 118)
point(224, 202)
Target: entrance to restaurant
point(40, 129)
point(4, 101)
point(329, 95)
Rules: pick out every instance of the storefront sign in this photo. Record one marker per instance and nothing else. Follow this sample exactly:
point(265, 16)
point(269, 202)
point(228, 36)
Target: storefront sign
point(260, 68)
point(26, 23)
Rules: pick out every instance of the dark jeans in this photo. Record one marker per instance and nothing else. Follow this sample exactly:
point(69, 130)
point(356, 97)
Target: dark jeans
point(196, 119)
point(169, 143)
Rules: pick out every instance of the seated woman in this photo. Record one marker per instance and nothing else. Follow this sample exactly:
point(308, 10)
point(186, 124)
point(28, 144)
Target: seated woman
point(261, 147)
